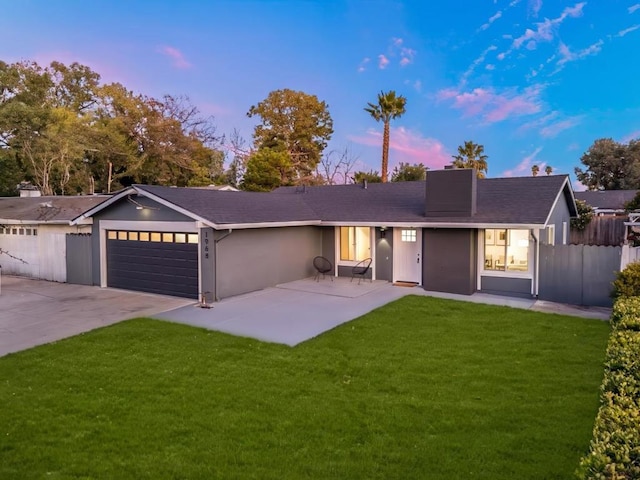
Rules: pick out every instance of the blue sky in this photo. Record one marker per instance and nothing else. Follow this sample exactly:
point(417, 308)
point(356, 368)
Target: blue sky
point(534, 81)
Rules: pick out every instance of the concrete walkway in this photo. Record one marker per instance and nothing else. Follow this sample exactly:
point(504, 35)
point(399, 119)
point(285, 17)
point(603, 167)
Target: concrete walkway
point(35, 312)
point(297, 311)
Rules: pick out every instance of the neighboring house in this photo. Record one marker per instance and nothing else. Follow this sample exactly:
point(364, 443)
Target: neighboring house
point(607, 202)
point(452, 233)
point(33, 232)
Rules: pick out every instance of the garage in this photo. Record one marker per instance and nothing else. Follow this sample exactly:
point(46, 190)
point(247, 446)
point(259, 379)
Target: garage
point(155, 262)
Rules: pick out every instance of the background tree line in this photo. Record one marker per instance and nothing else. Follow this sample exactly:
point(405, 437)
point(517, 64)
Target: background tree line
point(64, 131)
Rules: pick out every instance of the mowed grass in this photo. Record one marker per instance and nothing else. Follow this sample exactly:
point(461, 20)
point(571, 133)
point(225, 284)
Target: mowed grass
point(422, 388)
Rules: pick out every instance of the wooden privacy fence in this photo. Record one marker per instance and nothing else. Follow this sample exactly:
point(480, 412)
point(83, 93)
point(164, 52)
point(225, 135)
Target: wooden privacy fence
point(578, 274)
point(600, 231)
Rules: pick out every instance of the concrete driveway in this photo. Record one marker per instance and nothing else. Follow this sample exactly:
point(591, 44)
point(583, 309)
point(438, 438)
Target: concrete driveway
point(35, 312)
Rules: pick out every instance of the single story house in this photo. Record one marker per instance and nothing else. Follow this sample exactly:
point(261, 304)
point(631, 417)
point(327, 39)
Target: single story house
point(607, 202)
point(33, 233)
point(452, 233)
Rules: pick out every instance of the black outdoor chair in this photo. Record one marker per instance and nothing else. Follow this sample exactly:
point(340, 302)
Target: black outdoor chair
point(322, 266)
point(361, 270)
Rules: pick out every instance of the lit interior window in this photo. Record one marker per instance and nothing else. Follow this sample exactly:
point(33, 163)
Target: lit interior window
point(156, 237)
point(144, 236)
point(506, 250)
point(192, 238)
point(122, 235)
point(167, 237)
point(181, 238)
point(133, 235)
point(408, 236)
point(112, 235)
point(355, 243)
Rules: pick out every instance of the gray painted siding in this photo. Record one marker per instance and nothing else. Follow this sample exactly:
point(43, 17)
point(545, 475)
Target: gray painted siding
point(384, 255)
point(329, 244)
point(517, 287)
point(449, 260)
point(558, 215)
point(124, 210)
point(79, 258)
point(451, 192)
point(254, 259)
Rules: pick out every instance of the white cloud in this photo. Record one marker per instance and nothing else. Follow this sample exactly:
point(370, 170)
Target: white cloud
point(633, 8)
point(524, 167)
point(566, 55)
point(534, 7)
point(406, 55)
point(363, 64)
point(622, 33)
point(383, 61)
point(545, 31)
point(491, 20)
point(477, 62)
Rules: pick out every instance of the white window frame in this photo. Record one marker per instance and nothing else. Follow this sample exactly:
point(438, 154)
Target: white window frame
point(504, 273)
point(551, 235)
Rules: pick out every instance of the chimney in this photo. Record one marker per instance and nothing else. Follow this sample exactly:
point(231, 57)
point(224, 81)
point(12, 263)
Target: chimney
point(26, 189)
point(451, 193)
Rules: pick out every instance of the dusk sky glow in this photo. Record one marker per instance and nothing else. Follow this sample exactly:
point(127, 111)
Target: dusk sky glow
point(534, 81)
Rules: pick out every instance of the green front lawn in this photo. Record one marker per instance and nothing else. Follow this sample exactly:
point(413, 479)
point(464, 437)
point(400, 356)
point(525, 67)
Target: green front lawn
point(419, 389)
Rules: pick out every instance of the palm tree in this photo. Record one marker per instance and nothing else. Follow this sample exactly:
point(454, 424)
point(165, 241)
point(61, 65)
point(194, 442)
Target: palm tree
point(471, 155)
point(534, 170)
point(548, 169)
point(389, 106)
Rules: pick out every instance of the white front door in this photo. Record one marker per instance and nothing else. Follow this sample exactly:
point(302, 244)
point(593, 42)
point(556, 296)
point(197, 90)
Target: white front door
point(407, 255)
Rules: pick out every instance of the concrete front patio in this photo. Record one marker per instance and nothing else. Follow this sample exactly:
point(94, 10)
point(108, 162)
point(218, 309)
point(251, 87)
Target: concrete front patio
point(297, 311)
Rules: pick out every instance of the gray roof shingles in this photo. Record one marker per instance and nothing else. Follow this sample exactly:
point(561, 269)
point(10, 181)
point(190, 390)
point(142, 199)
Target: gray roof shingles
point(225, 207)
point(55, 209)
point(519, 200)
point(607, 199)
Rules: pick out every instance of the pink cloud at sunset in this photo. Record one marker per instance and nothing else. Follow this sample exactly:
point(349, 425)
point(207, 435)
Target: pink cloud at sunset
point(179, 60)
point(492, 106)
point(408, 146)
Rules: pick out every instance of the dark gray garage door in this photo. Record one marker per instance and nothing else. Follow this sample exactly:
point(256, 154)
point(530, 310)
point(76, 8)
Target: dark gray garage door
point(154, 262)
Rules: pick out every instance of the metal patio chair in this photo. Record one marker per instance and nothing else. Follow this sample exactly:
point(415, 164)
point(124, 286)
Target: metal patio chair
point(322, 266)
point(361, 269)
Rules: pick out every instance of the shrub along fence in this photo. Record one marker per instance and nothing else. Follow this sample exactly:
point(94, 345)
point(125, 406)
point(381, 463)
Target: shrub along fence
point(615, 448)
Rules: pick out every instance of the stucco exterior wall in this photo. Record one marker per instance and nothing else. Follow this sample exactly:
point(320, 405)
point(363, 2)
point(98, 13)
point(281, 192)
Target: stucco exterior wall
point(449, 260)
point(254, 259)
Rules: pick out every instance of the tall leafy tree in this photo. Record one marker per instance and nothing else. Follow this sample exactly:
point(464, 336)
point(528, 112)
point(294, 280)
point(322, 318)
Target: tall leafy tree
point(548, 169)
point(267, 169)
point(405, 172)
point(296, 123)
point(389, 107)
point(610, 165)
point(535, 169)
point(471, 155)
